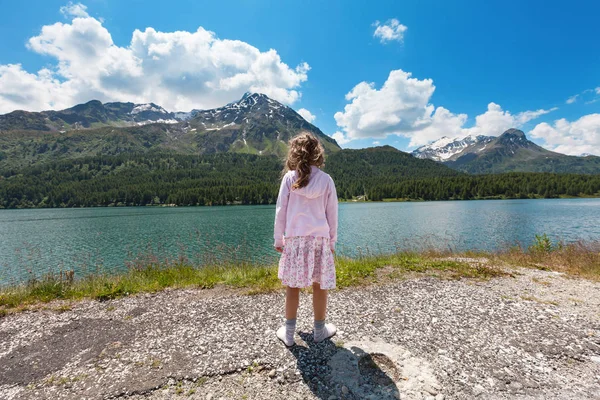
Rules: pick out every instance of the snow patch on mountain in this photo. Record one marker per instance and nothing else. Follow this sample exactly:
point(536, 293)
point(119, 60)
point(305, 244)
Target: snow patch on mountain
point(158, 121)
point(445, 148)
point(148, 107)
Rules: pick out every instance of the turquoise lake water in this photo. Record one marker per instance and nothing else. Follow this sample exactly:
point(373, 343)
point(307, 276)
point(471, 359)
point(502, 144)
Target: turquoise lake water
point(34, 242)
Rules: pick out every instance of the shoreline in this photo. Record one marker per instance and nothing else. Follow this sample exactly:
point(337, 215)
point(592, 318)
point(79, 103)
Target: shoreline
point(341, 201)
point(579, 259)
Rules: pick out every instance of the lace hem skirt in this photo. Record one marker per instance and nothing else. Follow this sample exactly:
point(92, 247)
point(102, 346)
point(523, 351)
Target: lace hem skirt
point(307, 259)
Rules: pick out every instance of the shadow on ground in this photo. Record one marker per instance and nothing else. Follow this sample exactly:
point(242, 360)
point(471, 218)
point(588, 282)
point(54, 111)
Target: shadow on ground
point(329, 369)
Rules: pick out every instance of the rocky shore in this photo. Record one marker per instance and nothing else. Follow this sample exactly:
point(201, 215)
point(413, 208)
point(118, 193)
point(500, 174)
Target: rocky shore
point(533, 335)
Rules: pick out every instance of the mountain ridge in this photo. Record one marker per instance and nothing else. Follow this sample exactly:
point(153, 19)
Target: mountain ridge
point(254, 124)
point(91, 114)
point(512, 151)
point(445, 148)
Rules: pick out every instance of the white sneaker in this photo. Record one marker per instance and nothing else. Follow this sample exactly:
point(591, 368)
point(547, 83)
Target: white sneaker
point(282, 335)
point(328, 331)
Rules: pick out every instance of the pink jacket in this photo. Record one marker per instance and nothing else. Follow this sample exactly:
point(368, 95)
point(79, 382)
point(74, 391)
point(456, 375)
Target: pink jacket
point(308, 211)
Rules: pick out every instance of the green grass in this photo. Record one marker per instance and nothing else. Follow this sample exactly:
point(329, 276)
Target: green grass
point(254, 279)
point(580, 259)
point(152, 278)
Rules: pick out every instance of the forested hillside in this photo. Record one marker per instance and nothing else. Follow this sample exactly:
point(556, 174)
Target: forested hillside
point(159, 178)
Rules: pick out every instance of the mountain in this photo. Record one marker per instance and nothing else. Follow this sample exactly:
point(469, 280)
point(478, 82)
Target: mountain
point(255, 124)
point(446, 149)
point(509, 152)
point(92, 114)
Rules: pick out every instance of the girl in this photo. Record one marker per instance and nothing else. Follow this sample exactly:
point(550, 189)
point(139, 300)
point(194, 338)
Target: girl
point(305, 233)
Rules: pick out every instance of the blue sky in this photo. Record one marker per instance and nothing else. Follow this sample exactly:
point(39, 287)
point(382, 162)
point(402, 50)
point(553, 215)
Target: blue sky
point(442, 69)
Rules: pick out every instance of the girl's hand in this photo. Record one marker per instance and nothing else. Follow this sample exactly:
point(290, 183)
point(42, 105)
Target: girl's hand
point(279, 249)
point(333, 251)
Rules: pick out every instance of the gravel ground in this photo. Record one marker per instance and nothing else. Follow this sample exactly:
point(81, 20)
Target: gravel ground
point(532, 336)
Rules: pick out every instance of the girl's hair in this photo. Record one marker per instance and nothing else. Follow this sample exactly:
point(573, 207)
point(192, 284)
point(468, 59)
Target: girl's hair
point(304, 150)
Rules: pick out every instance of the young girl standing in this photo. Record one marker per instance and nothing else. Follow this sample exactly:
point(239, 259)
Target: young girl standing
point(306, 219)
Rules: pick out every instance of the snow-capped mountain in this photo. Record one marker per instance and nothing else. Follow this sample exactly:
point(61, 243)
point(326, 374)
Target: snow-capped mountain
point(509, 152)
point(251, 111)
point(447, 149)
point(87, 115)
point(254, 124)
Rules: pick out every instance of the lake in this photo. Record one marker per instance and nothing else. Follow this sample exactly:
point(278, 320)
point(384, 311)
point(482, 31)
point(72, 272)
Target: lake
point(34, 242)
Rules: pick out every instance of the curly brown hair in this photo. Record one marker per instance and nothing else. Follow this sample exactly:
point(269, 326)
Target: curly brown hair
point(304, 150)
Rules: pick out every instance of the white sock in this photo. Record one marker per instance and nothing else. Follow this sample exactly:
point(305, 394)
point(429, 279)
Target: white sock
point(286, 332)
point(323, 331)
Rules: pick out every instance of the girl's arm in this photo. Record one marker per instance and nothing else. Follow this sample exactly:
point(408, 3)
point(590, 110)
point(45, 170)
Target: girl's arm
point(331, 212)
point(281, 211)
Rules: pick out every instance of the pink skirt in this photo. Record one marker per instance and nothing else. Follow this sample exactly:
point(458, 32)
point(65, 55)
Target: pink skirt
point(307, 259)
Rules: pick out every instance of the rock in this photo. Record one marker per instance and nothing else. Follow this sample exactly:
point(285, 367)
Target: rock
point(430, 389)
point(332, 397)
point(439, 397)
point(595, 359)
point(209, 396)
point(272, 373)
point(478, 389)
point(516, 386)
point(345, 390)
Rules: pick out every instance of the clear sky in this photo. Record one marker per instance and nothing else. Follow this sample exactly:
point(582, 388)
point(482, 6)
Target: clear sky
point(367, 72)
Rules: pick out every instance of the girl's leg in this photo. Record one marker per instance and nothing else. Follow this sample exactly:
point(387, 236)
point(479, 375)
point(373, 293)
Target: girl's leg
point(319, 302)
point(322, 330)
point(286, 332)
point(292, 300)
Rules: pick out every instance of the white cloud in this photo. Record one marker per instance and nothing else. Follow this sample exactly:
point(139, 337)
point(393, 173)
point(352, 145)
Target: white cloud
point(442, 123)
point(495, 120)
point(37, 91)
point(179, 70)
point(402, 107)
point(307, 115)
point(74, 10)
point(340, 138)
point(390, 30)
point(574, 138)
point(572, 99)
point(588, 96)
point(376, 142)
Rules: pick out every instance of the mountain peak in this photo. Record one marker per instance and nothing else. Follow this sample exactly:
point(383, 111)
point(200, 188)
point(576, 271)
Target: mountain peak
point(252, 99)
point(150, 107)
point(514, 137)
point(514, 132)
point(92, 104)
point(255, 95)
